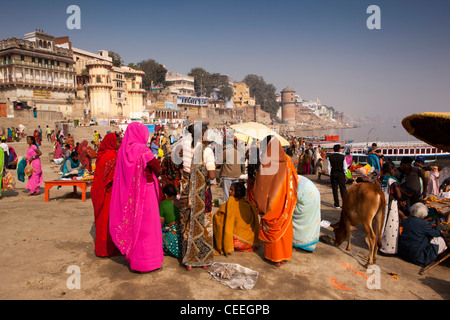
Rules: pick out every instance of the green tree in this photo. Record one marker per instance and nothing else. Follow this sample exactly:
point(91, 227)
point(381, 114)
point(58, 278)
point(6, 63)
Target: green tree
point(155, 74)
point(264, 93)
point(205, 83)
point(116, 59)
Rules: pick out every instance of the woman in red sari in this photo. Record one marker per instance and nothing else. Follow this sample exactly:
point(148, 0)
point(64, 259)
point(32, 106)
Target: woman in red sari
point(36, 137)
point(101, 194)
point(84, 155)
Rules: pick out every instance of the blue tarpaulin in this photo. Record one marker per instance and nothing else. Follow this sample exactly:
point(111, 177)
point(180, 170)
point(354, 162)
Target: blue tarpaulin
point(151, 128)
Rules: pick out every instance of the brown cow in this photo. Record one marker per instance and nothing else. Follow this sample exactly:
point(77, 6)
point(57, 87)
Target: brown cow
point(363, 204)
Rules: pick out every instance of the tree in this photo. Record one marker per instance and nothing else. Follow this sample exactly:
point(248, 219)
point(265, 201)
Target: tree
point(205, 83)
point(264, 93)
point(116, 59)
point(155, 73)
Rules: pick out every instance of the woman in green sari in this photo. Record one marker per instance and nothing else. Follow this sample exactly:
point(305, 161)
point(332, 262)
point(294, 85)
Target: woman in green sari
point(306, 218)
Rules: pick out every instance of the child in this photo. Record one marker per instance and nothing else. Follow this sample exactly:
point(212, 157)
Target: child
point(170, 222)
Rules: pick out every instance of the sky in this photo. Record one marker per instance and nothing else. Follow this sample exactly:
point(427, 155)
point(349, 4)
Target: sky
point(320, 48)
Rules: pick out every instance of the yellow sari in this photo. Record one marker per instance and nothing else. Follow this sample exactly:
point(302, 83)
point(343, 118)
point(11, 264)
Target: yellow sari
point(236, 221)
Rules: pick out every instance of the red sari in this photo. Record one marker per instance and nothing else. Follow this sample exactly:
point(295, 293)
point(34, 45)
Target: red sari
point(101, 195)
point(84, 156)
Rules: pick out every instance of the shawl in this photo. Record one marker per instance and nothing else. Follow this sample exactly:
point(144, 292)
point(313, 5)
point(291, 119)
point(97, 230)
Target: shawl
point(275, 192)
point(238, 218)
point(104, 171)
point(127, 198)
point(83, 155)
point(58, 151)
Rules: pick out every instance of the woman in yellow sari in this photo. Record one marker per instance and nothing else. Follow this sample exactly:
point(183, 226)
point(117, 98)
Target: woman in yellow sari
point(236, 223)
point(276, 197)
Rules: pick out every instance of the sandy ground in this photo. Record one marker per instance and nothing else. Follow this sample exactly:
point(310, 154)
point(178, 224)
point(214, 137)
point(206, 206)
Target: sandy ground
point(41, 240)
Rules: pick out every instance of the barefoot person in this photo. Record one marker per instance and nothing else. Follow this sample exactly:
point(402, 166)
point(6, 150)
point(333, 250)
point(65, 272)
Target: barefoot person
point(33, 154)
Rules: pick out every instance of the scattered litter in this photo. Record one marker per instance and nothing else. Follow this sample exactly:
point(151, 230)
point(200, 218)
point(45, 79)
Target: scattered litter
point(346, 266)
point(338, 285)
point(233, 275)
point(325, 223)
point(393, 275)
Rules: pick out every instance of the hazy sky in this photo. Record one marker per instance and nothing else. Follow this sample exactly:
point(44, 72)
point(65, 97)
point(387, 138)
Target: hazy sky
point(322, 49)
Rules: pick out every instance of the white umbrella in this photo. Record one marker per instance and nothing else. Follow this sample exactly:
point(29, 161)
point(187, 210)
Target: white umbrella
point(257, 131)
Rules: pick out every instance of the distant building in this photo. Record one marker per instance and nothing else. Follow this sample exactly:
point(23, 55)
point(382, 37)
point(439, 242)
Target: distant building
point(180, 84)
point(288, 102)
point(36, 72)
point(241, 95)
point(104, 91)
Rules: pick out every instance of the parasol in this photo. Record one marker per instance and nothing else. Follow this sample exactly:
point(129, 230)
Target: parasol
point(430, 127)
point(256, 131)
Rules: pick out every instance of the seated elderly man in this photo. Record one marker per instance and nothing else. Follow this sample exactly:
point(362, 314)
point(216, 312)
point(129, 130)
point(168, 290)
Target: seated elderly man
point(420, 243)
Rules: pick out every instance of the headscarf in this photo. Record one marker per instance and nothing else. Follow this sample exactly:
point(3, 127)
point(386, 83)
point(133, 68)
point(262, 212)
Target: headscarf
point(275, 191)
point(129, 187)
point(83, 152)
point(105, 166)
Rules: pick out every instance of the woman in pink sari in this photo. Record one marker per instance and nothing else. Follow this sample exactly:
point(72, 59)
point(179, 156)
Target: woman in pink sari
point(135, 224)
point(33, 154)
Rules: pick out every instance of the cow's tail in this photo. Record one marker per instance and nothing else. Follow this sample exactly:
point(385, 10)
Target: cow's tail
point(380, 217)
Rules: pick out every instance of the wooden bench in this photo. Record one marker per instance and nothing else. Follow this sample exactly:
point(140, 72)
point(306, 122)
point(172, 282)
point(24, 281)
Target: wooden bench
point(83, 184)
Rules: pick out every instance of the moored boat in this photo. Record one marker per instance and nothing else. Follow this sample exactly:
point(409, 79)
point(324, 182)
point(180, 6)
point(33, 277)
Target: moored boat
point(395, 151)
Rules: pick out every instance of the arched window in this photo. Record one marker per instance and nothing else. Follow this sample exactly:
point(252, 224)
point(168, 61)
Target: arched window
point(45, 44)
point(40, 43)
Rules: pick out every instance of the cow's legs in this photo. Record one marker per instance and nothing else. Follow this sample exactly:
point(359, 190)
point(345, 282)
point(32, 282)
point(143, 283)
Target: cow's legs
point(370, 240)
point(349, 234)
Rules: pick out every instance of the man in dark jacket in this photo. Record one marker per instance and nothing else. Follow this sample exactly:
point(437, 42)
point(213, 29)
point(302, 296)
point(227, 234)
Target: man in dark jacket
point(337, 168)
point(420, 243)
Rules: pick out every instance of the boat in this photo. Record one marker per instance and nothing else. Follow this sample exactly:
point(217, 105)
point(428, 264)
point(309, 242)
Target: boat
point(328, 141)
point(395, 151)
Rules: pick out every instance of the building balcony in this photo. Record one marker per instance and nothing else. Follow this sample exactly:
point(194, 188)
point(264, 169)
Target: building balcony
point(35, 65)
point(36, 83)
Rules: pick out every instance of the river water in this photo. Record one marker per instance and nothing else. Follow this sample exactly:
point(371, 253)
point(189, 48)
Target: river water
point(391, 131)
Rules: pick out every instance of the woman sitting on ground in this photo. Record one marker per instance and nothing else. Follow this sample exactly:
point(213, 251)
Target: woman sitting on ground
point(420, 243)
point(72, 166)
point(170, 222)
point(236, 223)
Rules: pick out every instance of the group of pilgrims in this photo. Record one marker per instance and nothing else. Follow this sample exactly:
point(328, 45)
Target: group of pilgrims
point(147, 207)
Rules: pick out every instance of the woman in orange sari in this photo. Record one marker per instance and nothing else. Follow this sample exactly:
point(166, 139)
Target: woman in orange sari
point(275, 194)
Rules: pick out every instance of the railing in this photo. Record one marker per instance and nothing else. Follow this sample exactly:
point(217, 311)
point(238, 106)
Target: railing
point(37, 82)
point(37, 65)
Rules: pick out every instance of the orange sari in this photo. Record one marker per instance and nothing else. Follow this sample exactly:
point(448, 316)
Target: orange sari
point(275, 193)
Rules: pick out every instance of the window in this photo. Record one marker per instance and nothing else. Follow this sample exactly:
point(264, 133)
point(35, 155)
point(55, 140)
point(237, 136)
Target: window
point(422, 150)
point(433, 150)
point(46, 61)
point(428, 150)
point(384, 151)
point(33, 59)
point(390, 151)
point(400, 151)
point(99, 80)
point(406, 151)
point(22, 58)
point(395, 151)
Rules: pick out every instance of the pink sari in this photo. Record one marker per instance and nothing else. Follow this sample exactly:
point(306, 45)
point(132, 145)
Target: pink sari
point(135, 224)
point(35, 180)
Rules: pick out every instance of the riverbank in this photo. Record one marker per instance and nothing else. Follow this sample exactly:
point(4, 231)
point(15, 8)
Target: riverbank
point(41, 240)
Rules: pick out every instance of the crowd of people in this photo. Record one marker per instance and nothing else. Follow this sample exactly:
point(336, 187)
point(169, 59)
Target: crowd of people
point(147, 205)
point(152, 196)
